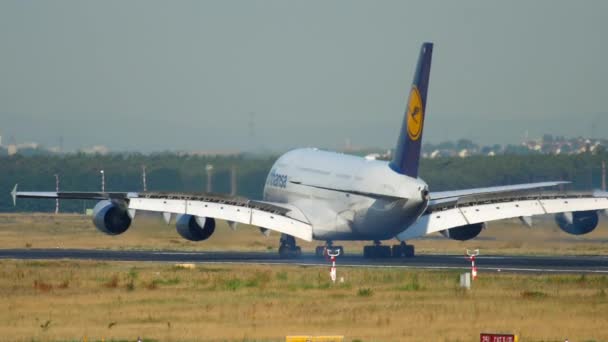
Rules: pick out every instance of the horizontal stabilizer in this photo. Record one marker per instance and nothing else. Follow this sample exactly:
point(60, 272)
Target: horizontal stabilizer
point(14, 194)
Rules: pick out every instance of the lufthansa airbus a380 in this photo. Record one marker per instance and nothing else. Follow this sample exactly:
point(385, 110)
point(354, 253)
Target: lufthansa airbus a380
point(312, 194)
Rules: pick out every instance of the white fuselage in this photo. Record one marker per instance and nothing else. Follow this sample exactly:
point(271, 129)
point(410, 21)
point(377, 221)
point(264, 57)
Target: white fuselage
point(346, 197)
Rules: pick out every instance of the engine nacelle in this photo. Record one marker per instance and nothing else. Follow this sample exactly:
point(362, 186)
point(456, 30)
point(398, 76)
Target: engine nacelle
point(578, 222)
point(195, 228)
point(463, 233)
point(110, 218)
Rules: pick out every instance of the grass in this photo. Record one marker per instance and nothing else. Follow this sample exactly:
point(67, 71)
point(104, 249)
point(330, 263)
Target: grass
point(365, 292)
point(161, 302)
point(119, 301)
point(533, 294)
point(150, 232)
point(412, 285)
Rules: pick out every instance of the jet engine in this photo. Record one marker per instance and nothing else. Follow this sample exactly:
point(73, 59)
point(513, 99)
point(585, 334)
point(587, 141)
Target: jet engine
point(463, 233)
point(578, 222)
point(195, 228)
point(110, 218)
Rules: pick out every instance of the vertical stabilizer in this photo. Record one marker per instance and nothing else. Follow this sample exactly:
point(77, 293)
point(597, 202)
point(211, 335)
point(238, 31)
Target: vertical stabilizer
point(407, 153)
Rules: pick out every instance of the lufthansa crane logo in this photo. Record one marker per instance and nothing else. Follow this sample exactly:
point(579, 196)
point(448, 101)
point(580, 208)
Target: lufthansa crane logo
point(415, 115)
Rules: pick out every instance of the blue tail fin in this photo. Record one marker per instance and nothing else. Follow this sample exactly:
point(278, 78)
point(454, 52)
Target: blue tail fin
point(407, 153)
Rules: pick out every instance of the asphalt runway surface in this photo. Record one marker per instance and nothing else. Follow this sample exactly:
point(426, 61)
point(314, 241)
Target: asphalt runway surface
point(520, 264)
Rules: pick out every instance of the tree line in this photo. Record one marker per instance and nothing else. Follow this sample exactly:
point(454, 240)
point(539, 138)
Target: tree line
point(174, 172)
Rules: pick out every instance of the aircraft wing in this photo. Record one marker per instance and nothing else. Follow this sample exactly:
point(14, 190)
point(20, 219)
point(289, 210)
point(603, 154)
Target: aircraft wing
point(279, 217)
point(442, 195)
point(487, 207)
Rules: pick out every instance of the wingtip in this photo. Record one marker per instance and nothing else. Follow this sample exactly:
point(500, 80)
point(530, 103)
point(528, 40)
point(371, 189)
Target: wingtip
point(14, 195)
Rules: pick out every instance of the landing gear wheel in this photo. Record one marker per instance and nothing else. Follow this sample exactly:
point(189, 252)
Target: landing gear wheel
point(384, 251)
point(409, 251)
point(377, 251)
point(403, 251)
point(289, 252)
point(288, 248)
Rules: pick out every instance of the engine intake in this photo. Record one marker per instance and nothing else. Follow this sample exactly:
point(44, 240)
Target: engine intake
point(110, 218)
point(578, 222)
point(195, 228)
point(463, 233)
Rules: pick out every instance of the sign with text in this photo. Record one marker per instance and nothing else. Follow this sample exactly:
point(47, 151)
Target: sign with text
point(484, 337)
point(314, 339)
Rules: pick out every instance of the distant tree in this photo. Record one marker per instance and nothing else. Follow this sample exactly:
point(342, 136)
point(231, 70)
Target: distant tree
point(172, 172)
point(446, 145)
point(465, 144)
point(428, 148)
point(518, 150)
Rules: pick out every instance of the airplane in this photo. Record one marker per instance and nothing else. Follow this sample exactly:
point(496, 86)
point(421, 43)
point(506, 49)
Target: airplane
point(312, 194)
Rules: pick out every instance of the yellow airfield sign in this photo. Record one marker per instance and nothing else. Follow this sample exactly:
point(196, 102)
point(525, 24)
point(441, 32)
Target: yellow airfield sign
point(314, 339)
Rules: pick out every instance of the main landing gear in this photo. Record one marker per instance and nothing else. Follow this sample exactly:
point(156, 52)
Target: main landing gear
point(320, 251)
point(288, 248)
point(377, 250)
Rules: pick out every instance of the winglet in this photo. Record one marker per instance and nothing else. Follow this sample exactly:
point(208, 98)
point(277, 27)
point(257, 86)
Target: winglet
point(14, 195)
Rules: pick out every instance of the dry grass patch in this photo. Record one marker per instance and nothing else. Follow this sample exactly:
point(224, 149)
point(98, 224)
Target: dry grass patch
point(150, 232)
point(161, 302)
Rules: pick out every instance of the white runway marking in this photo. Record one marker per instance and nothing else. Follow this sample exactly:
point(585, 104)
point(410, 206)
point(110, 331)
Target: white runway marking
point(459, 263)
point(426, 267)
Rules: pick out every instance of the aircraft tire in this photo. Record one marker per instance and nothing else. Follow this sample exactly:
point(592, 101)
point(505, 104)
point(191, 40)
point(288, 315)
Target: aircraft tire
point(376, 252)
point(402, 251)
point(288, 252)
point(398, 251)
point(384, 251)
point(409, 251)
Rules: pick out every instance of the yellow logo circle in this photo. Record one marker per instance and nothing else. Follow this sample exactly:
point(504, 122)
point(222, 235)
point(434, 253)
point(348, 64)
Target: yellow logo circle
point(415, 115)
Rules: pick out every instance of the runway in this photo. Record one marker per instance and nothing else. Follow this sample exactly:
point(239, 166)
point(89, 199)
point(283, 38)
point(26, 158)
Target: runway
point(531, 264)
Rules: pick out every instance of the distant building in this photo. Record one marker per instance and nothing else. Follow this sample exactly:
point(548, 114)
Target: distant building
point(97, 149)
point(12, 149)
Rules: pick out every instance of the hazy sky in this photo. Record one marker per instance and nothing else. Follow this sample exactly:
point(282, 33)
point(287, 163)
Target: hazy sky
point(157, 75)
